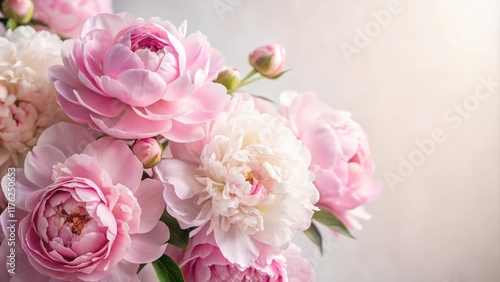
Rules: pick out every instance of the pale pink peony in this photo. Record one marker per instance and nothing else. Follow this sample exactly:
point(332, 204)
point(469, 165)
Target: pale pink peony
point(341, 158)
point(90, 216)
point(248, 180)
point(134, 78)
point(204, 261)
point(66, 17)
point(27, 98)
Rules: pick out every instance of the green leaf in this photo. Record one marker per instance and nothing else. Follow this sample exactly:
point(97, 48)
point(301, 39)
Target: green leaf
point(313, 234)
point(167, 270)
point(178, 237)
point(264, 98)
point(331, 221)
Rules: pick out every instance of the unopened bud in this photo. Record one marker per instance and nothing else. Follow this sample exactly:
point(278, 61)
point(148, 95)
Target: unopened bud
point(268, 60)
point(229, 77)
point(148, 151)
point(21, 11)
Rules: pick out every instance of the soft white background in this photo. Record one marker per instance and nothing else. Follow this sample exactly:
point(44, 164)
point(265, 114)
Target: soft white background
point(442, 223)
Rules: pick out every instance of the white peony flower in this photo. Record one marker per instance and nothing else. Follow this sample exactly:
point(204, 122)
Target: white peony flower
point(248, 180)
point(27, 98)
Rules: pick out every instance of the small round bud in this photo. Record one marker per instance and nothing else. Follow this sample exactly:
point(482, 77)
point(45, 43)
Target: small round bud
point(148, 151)
point(268, 60)
point(21, 11)
point(229, 77)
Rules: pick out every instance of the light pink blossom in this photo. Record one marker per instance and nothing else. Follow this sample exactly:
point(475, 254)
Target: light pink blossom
point(341, 158)
point(248, 180)
point(89, 215)
point(135, 78)
point(204, 261)
point(66, 17)
point(27, 98)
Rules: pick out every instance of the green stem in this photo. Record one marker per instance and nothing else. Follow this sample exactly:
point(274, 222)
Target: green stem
point(243, 83)
point(249, 75)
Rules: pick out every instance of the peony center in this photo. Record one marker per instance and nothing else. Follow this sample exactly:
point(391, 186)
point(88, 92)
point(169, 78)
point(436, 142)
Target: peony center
point(76, 220)
point(149, 37)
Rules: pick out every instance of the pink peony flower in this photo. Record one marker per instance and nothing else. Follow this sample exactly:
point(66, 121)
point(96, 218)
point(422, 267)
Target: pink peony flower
point(66, 17)
point(204, 261)
point(268, 60)
point(90, 216)
point(134, 78)
point(341, 158)
point(248, 180)
point(27, 98)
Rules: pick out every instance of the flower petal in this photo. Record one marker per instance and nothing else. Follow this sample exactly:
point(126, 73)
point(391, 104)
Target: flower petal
point(145, 248)
point(150, 198)
point(144, 87)
point(116, 158)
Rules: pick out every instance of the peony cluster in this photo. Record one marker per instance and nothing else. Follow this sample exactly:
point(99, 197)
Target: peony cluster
point(168, 168)
point(247, 182)
point(27, 98)
point(87, 213)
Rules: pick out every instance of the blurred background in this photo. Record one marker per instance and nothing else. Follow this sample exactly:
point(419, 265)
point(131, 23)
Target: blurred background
point(422, 78)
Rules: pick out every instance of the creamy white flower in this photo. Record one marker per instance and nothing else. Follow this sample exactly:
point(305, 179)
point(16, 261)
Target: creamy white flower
point(250, 183)
point(27, 98)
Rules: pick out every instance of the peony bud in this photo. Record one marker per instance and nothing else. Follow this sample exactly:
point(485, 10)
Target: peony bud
point(148, 151)
point(229, 77)
point(268, 60)
point(21, 11)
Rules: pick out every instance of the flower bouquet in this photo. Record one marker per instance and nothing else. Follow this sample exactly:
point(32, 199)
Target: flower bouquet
point(130, 152)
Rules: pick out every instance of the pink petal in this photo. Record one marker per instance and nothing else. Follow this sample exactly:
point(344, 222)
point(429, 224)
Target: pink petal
point(150, 198)
point(39, 162)
point(184, 132)
point(145, 87)
point(130, 126)
point(237, 246)
point(116, 158)
point(75, 111)
point(323, 143)
point(119, 59)
point(123, 271)
point(181, 176)
point(60, 73)
point(112, 23)
point(76, 137)
point(108, 107)
point(148, 247)
point(204, 103)
point(148, 274)
point(179, 88)
point(111, 87)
